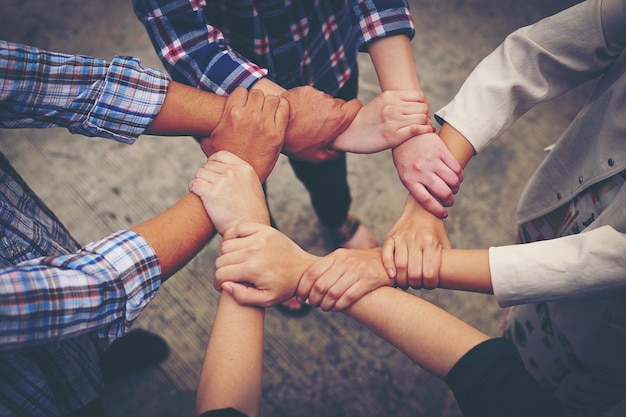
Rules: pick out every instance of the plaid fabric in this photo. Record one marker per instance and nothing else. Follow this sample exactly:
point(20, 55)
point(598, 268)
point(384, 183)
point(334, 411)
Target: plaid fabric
point(218, 45)
point(88, 96)
point(58, 303)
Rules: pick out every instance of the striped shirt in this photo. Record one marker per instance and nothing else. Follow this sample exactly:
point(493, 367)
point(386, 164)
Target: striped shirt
point(218, 45)
point(59, 302)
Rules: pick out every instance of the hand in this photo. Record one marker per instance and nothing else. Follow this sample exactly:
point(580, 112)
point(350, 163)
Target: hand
point(258, 265)
point(385, 122)
point(252, 127)
point(315, 121)
point(338, 280)
point(412, 249)
point(429, 171)
point(230, 191)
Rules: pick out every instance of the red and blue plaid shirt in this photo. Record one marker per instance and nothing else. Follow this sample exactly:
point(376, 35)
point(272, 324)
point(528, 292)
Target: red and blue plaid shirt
point(218, 45)
point(59, 302)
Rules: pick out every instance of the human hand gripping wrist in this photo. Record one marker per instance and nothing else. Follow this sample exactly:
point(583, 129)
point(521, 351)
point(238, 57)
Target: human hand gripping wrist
point(413, 247)
point(258, 265)
point(252, 127)
point(385, 122)
point(316, 119)
point(230, 191)
point(338, 280)
point(429, 171)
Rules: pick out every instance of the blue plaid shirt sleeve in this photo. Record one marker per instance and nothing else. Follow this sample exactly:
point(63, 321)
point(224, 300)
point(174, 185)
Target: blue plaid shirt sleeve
point(88, 96)
point(192, 50)
point(102, 287)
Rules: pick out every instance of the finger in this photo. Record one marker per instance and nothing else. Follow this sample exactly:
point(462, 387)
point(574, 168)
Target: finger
point(411, 95)
point(449, 178)
point(388, 257)
point(320, 287)
point(210, 171)
point(231, 268)
point(426, 200)
point(234, 253)
point(350, 109)
point(256, 99)
point(336, 291)
point(439, 189)
point(431, 267)
point(326, 155)
point(282, 114)
point(232, 264)
point(225, 157)
point(349, 297)
point(454, 165)
point(406, 132)
point(248, 296)
point(414, 270)
point(241, 230)
point(413, 109)
point(310, 276)
point(270, 104)
point(199, 187)
point(401, 261)
point(237, 98)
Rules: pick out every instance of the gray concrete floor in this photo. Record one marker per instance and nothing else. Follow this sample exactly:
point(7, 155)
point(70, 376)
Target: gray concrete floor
point(322, 364)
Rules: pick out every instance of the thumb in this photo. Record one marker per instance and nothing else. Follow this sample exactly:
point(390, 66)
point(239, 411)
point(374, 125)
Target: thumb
point(323, 155)
point(242, 230)
point(351, 109)
point(389, 263)
point(282, 113)
point(247, 295)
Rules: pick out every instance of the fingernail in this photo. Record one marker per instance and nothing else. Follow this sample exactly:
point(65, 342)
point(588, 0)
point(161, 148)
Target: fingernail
point(228, 288)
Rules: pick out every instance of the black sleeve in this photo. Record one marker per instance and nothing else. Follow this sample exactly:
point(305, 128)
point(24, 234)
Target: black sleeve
point(490, 380)
point(223, 412)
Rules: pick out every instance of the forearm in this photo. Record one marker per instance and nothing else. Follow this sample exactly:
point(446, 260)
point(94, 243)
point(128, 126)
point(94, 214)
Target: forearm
point(232, 371)
point(465, 269)
point(458, 144)
point(428, 335)
point(268, 87)
point(187, 111)
point(178, 233)
point(394, 64)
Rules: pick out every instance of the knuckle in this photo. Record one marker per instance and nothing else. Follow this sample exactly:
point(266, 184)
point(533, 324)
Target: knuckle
point(317, 288)
point(415, 282)
point(350, 297)
point(333, 293)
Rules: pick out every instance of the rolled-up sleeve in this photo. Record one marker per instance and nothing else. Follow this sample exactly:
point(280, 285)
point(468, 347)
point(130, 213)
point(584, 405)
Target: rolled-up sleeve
point(192, 49)
point(382, 18)
point(88, 96)
point(102, 287)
